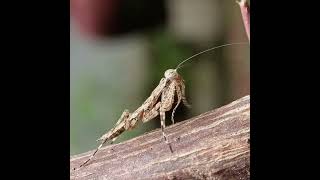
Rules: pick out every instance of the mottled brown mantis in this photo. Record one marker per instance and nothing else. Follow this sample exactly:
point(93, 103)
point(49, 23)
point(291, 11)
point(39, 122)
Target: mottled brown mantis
point(159, 102)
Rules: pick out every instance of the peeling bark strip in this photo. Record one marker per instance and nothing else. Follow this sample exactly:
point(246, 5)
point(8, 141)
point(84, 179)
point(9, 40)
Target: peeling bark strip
point(213, 145)
point(245, 11)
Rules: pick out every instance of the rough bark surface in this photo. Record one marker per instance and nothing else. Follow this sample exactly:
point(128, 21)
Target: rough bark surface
point(213, 145)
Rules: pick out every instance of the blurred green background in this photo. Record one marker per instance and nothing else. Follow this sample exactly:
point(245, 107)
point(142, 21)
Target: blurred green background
point(117, 68)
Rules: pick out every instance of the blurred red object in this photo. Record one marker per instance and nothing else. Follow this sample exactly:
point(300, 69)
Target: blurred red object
point(94, 17)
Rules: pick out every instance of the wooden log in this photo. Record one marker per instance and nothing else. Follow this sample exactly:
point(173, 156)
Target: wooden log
point(213, 145)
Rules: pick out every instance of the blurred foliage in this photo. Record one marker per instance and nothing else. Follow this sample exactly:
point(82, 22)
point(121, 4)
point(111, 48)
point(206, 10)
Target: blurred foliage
point(166, 54)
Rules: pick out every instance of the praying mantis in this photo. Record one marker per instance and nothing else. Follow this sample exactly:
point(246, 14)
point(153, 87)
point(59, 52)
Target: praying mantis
point(169, 91)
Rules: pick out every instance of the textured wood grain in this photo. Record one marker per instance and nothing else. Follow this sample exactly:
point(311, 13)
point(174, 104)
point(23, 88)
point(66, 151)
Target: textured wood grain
point(213, 145)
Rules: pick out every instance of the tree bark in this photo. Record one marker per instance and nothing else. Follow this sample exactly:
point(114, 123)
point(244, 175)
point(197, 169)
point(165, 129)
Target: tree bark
point(213, 145)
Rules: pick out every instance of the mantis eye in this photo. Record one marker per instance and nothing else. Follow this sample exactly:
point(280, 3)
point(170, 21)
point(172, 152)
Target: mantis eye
point(170, 73)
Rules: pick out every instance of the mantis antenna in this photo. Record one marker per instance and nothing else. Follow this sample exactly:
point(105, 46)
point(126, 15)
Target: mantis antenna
point(180, 65)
